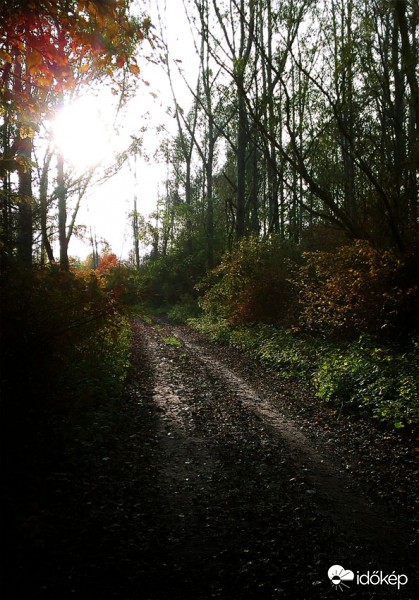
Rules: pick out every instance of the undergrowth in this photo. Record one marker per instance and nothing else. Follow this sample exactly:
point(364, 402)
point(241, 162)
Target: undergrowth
point(65, 339)
point(376, 380)
point(372, 378)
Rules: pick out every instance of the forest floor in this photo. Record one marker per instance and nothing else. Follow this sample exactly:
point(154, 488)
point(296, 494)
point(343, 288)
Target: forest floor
point(213, 478)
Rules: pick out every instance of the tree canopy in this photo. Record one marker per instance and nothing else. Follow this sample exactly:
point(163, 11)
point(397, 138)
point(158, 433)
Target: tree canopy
point(46, 50)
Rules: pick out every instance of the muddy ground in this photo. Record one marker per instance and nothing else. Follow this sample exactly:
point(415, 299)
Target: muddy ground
point(213, 478)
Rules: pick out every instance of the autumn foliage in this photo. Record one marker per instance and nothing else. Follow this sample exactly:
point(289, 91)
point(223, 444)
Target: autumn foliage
point(345, 319)
point(357, 288)
point(107, 262)
point(340, 293)
point(252, 283)
point(46, 46)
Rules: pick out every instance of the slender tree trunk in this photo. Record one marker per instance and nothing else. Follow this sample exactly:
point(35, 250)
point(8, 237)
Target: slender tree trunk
point(398, 117)
point(5, 202)
point(62, 214)
point(241, 163)
point(43, 201)
point(95, 253)
point(189, 200)
point(25, 218)
point(209, 175)
point(348, 108)
point(254, 199)
point(409, 64)
point(211, 133)
point(274, 225)
point(135, 232)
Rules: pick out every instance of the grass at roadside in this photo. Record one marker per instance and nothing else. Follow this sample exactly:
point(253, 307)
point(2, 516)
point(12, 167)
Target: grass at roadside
point(378, 381)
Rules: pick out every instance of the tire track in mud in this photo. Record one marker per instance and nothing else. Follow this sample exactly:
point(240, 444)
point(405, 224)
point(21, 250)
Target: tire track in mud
point(245, 507)
point(322, 475)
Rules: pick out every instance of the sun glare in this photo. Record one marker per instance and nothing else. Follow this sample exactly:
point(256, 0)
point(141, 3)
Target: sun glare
point(83, 134)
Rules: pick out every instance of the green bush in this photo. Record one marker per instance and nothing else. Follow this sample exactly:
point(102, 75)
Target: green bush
point(101, 361)
point(246, 337)
point(252, 284)
point(187, 308)
point(165, 280)
point(61, 332)
point(124, 283)
point(374, 379)
point(214, 328)
point(294, 356)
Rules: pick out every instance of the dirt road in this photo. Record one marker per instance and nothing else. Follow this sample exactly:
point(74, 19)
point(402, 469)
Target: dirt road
point(218, 479)
point(248, 506)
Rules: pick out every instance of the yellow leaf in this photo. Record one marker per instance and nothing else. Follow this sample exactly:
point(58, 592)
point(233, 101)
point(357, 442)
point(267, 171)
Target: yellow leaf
point(5, 56)
point(26, 131)
point(33, 60)
point(135, 69)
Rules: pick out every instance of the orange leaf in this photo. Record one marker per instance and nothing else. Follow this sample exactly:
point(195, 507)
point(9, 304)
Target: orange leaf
point(33, 60)
point(135, 69)
point(5, 56)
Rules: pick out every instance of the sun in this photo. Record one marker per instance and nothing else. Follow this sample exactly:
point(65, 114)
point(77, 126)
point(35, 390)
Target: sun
point(83, 133)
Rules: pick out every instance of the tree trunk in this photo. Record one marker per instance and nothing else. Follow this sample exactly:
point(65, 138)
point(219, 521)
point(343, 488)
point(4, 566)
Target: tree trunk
point(189, 200)
point(62, 214)
point(5, 201)
point(210, 194)
point(271, 117)
point(135, 232)
point(25, 217)
point(43, 201)
point(241, 164)
point(409, 63)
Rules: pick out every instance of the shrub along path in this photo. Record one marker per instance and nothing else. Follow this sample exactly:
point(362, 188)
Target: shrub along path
point(213, 478)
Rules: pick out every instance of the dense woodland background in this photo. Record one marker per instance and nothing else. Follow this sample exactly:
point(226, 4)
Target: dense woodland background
point(288, 224)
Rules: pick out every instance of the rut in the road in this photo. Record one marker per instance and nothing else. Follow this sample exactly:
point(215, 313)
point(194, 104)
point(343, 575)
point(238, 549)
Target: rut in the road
point(334, 497)
point(245, 503)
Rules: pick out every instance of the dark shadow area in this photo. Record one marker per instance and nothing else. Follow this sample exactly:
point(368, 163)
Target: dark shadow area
point(117, 501)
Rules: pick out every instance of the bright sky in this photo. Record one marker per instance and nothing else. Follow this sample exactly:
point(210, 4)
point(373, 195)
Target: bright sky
point(84, 132)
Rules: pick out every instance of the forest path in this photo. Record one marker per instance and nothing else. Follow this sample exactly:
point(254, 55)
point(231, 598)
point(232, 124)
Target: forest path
point(210, 477)
point(248, 505)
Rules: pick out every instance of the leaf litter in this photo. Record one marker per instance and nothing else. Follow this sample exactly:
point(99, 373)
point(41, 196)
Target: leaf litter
point(212, 477)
